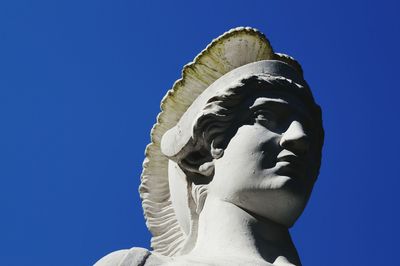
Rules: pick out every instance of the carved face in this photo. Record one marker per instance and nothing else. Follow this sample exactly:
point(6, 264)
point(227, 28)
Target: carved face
point(272, 161)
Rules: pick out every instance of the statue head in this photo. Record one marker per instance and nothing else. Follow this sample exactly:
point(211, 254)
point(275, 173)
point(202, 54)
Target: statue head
point(241, 126)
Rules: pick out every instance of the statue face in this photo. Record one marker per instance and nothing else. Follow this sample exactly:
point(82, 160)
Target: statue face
point(271, 163)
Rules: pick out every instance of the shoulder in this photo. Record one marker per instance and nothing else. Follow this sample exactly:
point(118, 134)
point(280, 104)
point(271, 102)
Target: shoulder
point(130, 257)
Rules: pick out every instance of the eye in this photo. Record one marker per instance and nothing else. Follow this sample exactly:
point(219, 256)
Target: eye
point(265, 118)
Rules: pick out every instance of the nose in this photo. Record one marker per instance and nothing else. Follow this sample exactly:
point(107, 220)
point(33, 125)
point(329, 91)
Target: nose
point(295, 138)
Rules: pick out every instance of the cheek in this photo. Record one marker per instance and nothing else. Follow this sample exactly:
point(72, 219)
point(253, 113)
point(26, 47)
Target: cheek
point(252, 147)
point(249, 145)
point(251, 150)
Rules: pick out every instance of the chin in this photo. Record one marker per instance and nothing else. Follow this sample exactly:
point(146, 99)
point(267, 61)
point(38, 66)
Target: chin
point(275, 183)
point(281, 205)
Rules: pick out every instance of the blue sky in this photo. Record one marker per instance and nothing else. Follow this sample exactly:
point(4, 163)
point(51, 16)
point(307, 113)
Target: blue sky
point(80, 86)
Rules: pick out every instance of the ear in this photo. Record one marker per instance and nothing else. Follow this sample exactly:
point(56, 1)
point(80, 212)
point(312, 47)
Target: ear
point(204, 168)
point(198, 162)
point(202, 161)
point(207, 168)
point(216, 153)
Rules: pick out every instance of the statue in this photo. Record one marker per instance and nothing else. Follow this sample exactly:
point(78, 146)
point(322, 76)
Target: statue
point(232, 161)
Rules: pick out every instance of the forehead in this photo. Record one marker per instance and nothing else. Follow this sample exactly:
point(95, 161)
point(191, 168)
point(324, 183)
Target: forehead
point(280, 101)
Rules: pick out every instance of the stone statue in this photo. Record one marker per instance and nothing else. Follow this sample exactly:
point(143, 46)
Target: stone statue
point(232, 161)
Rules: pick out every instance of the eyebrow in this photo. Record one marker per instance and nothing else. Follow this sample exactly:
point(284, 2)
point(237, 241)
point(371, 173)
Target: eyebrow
point(281, 104)
point(267, 101)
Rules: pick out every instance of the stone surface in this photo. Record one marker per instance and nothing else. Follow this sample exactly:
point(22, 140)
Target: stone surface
point(233, 159)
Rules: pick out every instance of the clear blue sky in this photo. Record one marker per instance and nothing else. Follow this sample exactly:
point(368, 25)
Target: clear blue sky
point(80, 86)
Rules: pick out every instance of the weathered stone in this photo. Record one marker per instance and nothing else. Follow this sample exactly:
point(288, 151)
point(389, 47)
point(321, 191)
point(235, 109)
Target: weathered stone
point(234, 156)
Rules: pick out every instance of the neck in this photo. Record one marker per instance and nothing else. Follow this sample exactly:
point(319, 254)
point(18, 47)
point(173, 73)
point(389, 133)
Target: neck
point(227, 231)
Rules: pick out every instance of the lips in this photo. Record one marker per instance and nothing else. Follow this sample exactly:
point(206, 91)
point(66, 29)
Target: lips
point(288, 156)
point(289, 164)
